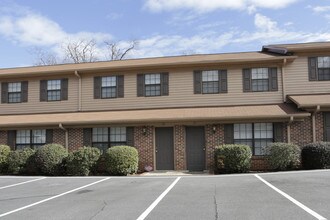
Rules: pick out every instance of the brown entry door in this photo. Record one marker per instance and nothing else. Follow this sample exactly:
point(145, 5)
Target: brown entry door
point(195, 148)
point(164, 149)
point(327, 126)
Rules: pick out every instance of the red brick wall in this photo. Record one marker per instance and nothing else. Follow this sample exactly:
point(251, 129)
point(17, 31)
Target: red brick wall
point(212, 140)
point(179, 148)
point(76, 138)
point(259, 163)
point(3, 137)
point(301, 132)
point(144, 142)
point(59, 137)
point(319, 125)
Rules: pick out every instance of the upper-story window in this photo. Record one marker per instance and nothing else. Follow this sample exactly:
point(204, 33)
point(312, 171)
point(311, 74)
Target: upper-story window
point(210, 81)
point(260, 80)
point(30, 138)
point(108, 87)
point(14, 92)
point(319, 68)
point(152, 84)
point(54, 90)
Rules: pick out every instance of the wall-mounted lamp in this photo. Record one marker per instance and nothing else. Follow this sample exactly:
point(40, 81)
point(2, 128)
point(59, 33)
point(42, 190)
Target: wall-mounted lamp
point(214, 129)
point(144, 130)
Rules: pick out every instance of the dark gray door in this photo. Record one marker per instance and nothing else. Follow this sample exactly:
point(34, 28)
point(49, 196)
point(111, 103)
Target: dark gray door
point(195, 148)
point(164, 149)
point(327, 126)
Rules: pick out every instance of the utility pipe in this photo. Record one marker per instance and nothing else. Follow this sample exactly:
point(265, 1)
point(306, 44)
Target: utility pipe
point(79, 89)
point(283, 81)
point(66, 136)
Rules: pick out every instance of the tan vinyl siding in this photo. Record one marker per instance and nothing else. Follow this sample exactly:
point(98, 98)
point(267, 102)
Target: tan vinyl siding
point(35, 106)
point(181, 92)
point(297, 80)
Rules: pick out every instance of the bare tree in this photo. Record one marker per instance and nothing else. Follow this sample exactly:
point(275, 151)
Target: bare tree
point(43, 57)
point(81, 51)
point(116, 52)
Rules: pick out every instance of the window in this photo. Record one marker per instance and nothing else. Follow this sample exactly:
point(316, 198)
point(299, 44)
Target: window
point(14, 92)
point(109, 87)
point(323, 65)
point(260, 79)
point(210, 81)
point(30, 138)
point(103, 138)
point(54, 90)
point(257, 136)
point(152, 84)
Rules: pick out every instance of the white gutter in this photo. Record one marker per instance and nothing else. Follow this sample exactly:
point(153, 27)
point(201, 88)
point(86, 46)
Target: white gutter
point(283, 81)
point(314, 122)
point(66, 136)
point(79, 89)
point(288, 129)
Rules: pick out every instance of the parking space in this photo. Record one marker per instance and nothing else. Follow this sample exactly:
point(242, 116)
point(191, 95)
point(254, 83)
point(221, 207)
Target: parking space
point(168, 197)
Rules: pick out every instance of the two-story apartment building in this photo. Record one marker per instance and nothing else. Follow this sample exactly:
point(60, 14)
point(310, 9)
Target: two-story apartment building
point(174, 110)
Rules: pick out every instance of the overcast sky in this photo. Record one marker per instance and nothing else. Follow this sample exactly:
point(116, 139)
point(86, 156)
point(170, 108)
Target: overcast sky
point(162, 27)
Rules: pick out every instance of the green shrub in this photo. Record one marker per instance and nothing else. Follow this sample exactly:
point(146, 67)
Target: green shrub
point(121, 160)
point(49, 159)
point(316, 155)
point(82, 161)
point(17, 160)
point(4, 153)
point(283, 156)
point(232, 158)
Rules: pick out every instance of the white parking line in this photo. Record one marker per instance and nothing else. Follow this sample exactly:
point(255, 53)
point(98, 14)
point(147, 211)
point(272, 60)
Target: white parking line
point(299, 204)
point(21, 183)
point(155, 203)
point(53, 197)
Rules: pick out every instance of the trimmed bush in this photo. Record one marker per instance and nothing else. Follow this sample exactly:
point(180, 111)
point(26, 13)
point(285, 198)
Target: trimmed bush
point(82, 161)
point(49, 159)
point(283, 156)
point(18, 160)
point(316, 155)
point(232, 158)
point(121, 160)
point(4, 153)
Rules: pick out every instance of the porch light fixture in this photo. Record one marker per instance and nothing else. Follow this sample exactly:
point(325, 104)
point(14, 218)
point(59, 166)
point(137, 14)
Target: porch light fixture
point(144, 130)
point(214, 129)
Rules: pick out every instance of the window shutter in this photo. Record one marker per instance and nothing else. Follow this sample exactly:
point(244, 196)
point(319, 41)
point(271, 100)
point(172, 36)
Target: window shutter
point(120, 86)
point(140, 85)
point(164, 83)
point(4, 92)
point(326, 126)
point(229, 133)
point(130, 136)
point(223, 87)
point(272, 79)
point(25, 89)
point(11, 138)
point(278, 132)
point(97, 87)
point(43, 90)
point(247, 87)
point(87, 140)
point(197, 82)
point(312, 68)
point(64, 89)
point(49, 136)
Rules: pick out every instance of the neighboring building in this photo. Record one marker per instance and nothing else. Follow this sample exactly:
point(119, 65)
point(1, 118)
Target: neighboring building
point(174, 110)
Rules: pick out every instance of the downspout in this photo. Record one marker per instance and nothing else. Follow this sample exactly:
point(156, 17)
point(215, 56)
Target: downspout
point(283, 81)
point(314, 122)
point(66, 136)
point(79, 89)
point(288, 129)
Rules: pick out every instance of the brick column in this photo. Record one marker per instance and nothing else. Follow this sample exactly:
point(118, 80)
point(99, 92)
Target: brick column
point(3, 137)
point(76, 138)
point(319, 125)
point(179, 148)
point(144, 143)
point(301, 132)
point(59, 137)
point(213, 138)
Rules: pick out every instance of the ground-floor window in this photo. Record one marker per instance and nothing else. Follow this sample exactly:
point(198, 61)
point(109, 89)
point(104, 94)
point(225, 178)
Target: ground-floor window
point(256, 135)
point(30, 138)
point(103, 138)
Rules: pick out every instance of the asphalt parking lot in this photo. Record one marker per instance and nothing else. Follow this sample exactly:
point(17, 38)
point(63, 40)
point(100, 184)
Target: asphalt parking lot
point(287, 195)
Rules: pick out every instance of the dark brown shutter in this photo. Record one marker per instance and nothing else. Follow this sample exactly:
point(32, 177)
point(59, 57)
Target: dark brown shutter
point(164, 83)
point(130, 136)
point(43, 90)
point(120, 86)
point(64, 89)
point(87, 140)
point(4, 92)
point(49, 136)
point(326, 126)
point(312, 68)
point(197, 82)
point(11, 138)
point(25, 91)
point(229, 133)
point(140, 85)
point(273, 79)
point(97, 87)
point(223, 87)
point(247, 87)
point(278, 132)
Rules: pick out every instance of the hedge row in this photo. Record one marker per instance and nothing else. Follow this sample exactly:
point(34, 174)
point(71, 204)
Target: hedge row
point(53, 159)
